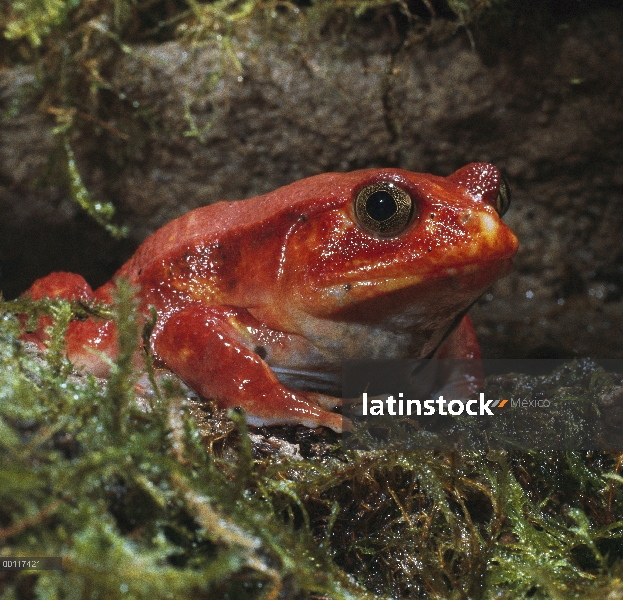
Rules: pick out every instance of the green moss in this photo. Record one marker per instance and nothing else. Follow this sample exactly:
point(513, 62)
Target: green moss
point(139, 503)
point(132, 500)
point(35, 20)
point(101, 212)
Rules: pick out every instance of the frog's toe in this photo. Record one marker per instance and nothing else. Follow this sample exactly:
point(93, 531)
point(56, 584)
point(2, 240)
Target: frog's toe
point(328, 419)
point(326, 402)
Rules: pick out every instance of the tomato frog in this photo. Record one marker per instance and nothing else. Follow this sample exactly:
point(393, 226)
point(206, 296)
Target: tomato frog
point(376, 263)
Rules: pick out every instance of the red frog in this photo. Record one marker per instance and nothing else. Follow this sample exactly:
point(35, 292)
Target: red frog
point(377, 263)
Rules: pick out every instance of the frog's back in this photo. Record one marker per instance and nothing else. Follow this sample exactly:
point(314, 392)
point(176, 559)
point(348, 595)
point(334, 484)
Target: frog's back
point(215, 223)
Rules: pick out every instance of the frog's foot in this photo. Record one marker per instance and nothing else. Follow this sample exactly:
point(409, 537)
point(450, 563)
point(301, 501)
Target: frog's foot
point(90, 344)
point(291, 407)
point(201, 345)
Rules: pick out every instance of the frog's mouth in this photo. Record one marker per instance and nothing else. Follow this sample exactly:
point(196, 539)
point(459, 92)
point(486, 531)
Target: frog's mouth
point(399, 319)
point(437, 295)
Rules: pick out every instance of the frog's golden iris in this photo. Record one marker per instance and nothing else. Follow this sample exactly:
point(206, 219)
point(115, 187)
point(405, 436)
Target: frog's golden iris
point(384, 209)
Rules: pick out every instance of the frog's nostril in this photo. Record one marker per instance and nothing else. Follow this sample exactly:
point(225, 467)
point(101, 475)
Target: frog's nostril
point(503, 199)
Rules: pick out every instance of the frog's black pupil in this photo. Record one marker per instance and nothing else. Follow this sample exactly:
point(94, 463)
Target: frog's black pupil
point(381, 205)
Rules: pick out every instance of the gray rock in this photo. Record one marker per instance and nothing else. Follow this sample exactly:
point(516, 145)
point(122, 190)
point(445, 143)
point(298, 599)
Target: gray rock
point(543, 103)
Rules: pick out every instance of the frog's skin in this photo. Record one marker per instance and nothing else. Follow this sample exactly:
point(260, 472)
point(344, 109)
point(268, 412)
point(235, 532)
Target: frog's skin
point(293, 281)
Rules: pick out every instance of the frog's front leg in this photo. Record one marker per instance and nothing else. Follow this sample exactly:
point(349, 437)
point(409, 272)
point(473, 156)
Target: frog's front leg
point(460, 353)
point(205, 348)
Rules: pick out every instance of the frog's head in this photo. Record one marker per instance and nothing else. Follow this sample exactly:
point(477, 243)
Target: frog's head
point(406, 249)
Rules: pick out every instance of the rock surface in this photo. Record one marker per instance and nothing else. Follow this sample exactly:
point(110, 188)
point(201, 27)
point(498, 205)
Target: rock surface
point(540, 98)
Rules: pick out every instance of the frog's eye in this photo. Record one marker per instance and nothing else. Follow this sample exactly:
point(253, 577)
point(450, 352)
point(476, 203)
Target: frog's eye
point(383, 208)
point(503, 199)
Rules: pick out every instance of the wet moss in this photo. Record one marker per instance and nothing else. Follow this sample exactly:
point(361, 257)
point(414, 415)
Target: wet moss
point(131, 499)
point(168, 501)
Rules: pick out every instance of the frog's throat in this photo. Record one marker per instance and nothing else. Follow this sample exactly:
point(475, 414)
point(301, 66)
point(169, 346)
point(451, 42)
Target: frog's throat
point(455, 323)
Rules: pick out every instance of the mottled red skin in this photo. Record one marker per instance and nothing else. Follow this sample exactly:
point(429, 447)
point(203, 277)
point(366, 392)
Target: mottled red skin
point(290, 280)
